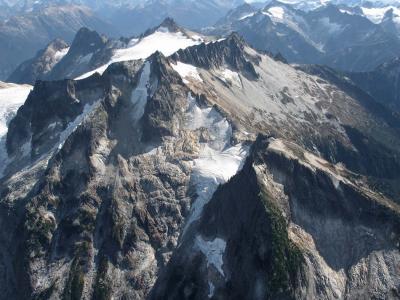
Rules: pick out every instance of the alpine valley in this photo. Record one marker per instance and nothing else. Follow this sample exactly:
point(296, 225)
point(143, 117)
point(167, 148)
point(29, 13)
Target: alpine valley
point(254, 158)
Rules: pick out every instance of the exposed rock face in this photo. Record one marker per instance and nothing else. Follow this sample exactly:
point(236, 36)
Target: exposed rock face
point(139, 183)
point(327, 35)
point(22, 36)
point(230, 52)
point(282, 229)
point(382, 83)
point(87, 48)
point(92, 52)
point(41, 64)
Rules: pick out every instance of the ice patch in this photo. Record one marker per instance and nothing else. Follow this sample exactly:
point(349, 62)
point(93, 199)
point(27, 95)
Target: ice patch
point(213, 251)
point(74, 124)
point(139, 94)
point(187, 71)
point(164, 41)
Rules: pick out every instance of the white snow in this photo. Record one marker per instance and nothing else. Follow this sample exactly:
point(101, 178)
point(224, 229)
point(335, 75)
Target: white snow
point(376, 14)
point(12, 96)
point(230, 77)
point(345, 11)
point(187, 71)
point(139, 94)
point(218, 161)
point(247, 16)
point(58, 55)
point(74, 124)
point(277, 12)
point(211, 289)
point(161, 40)
point(213, 251)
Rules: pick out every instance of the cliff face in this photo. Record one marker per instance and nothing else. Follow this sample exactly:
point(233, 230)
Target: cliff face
point(287, 226)
point(149, 181)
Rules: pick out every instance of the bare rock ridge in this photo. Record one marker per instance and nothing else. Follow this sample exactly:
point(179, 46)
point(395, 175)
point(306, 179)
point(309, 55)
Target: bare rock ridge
point(149, 182)
point(41, 64)
point(267, 234)
point(168, 24)
point(87, 48)
point(229, 51)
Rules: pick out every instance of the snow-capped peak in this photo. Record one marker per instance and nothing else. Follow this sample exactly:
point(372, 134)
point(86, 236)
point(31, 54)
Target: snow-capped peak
point(166, 38)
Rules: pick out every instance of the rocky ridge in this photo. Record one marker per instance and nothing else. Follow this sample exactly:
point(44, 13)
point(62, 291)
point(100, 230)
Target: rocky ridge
point(137, 177)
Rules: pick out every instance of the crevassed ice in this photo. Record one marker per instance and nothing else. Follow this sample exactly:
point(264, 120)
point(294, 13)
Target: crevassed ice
point(218, 160)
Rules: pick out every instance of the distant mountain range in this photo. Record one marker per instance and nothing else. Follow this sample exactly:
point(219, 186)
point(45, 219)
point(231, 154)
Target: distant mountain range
point(330, 35)
point(23, 35)
point(179, 166)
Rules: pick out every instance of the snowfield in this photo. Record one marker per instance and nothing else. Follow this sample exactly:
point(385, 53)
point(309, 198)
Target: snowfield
point(12, 96)
point(161, 40)
point(187, 72)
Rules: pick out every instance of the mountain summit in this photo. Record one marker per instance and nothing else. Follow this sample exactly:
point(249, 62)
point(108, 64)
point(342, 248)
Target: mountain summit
point(185, 168)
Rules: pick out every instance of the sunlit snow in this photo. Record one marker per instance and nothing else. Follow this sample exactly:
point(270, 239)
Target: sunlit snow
point(12, 96)
point(213, 251)
point(376, 14)
point(218, 161)
point(277, 12)
point(60, 54)
point(187, 71)
point(161, 40)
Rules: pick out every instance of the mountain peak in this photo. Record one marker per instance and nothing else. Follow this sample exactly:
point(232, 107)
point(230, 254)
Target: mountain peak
point(168, 25)
point(230, 52)
point(87, 40)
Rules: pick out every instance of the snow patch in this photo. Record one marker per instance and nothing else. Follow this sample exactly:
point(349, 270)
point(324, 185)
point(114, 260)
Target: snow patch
point(139, 94)
point(247, 16)
point(230, 77)
point(72, 126)
point(213, 251)
point(187, 71)
point(59, 55)
point(211, 289)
